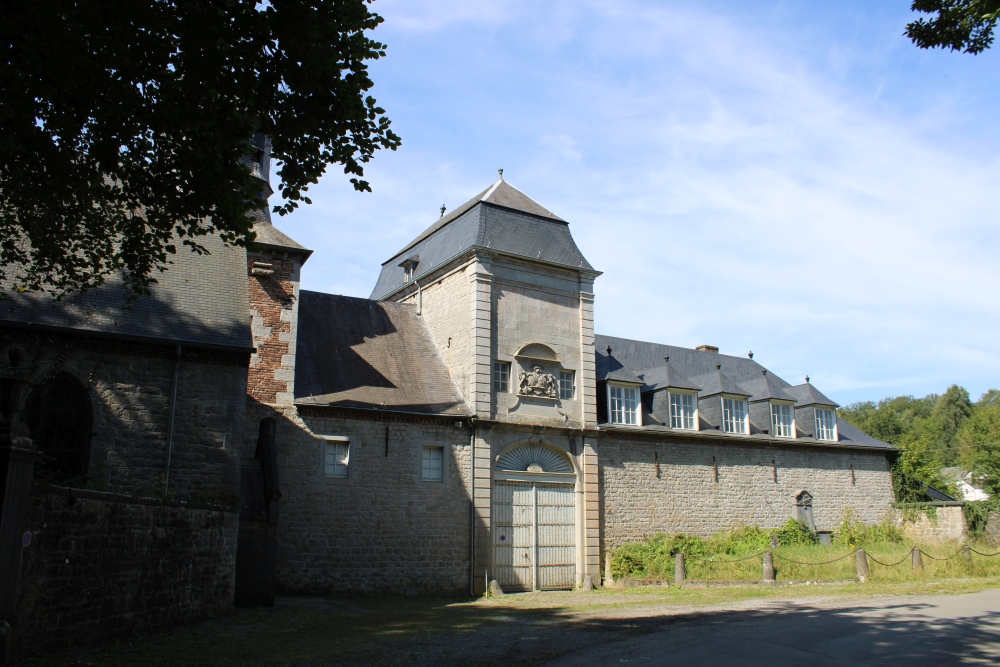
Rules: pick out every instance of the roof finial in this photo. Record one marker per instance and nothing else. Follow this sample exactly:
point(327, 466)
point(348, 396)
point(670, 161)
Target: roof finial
point(442, 210)
point(807, 379)
point(500, 171)
point(666, 359)
point(609, 350)
point(750, 354)
point(718, 366)
point(764, 371)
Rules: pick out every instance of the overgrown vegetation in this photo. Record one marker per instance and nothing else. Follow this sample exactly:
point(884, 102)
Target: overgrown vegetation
point(977, 515)
point(932, 433)
point(734, 555)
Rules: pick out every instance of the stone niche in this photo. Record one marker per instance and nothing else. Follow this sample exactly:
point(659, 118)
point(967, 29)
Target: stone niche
point(536, 384)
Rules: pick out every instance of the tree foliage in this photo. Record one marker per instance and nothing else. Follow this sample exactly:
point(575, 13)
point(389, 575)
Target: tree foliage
point(959, 25)
point(933, 432)
point(125, 126)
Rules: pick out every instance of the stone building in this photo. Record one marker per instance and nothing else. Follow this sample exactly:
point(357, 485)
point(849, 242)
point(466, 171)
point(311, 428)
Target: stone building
point(231, 435)
point(465, 423)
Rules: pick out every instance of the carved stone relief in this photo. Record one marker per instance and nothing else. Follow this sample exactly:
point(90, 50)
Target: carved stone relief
point(537, 383)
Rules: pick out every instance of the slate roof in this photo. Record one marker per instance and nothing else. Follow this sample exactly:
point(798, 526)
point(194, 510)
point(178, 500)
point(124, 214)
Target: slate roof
point(500, 218)
point(736, 375)
point(359, 353)
point(665, 376)
point(201, 300)
point(269, 236)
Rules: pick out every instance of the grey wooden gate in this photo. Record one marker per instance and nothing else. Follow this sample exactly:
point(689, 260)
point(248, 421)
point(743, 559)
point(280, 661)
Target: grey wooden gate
point(534, 528)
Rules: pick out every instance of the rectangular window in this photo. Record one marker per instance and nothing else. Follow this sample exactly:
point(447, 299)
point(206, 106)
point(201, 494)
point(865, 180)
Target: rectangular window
point(432, 464)
point(782, 420)
point(566, 384)
point(338, 452)
point(407, 273)
point(682, 410)
point(734, 415)
point(826, 424)
point(624, 401)
point(501, 377)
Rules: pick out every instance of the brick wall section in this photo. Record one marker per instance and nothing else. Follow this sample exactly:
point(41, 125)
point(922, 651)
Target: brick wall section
point(381, 529)
point(274, 309)
point(129, 385)
point(685, 499)
point(102, 566)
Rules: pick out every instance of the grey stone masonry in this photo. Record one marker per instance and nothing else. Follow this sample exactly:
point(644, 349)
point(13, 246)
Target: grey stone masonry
point(130, 387)
point(381, 527)
point(653, 485)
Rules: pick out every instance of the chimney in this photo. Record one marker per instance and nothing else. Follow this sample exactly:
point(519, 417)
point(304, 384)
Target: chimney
point(708, 348)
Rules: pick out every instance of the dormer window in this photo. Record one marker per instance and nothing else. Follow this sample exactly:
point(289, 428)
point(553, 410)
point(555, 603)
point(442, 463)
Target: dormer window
point(409, 264)
point(623, 405)
point(782, 420)
point(735, 415)
point(684, 410)
point(826, 424)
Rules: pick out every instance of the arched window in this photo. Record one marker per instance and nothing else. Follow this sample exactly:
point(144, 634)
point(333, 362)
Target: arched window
point(58, 415)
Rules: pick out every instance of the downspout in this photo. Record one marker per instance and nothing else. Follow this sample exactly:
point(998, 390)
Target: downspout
point(173, 413)
point(472, 510)
point(420, 297)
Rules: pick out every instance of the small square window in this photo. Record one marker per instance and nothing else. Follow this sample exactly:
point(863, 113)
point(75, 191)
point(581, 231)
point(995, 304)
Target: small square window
point(501, 377)
point(782, 420)
point(432, 464)
point(826, 424)
point(567, 384)
point(338, 452)
point(682, 410)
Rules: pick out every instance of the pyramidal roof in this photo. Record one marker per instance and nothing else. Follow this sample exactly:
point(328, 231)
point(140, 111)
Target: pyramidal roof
point(501, 193)
point(500, 219)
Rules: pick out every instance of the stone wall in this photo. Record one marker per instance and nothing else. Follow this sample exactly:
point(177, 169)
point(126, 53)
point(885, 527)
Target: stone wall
point(941, 524)
point(686, 497)
point(101, 566)
point(129, 386)
point(447, 307)
point(380, 529)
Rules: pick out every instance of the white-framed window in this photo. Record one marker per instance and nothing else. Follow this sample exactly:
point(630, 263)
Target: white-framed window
point(501, 377)
point(337, 454)
point(782, 420)
point(407, 273)
point(734, 415)
point(623, 405)
point(567, 384)
point(683, 410)
point(432, 464)
point(826, 424)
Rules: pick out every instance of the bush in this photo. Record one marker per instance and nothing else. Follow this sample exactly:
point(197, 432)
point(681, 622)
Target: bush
point(853, 533)
point(794, 532)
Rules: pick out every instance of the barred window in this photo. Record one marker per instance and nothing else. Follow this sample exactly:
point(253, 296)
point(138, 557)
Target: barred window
point(567, 384)
point(501, 377)
point(682, 410)
point(826, 424)
point(782, 420)
point(624, 403)
point(734, 415)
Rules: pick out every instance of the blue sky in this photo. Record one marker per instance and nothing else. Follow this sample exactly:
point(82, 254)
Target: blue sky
point(792, 178)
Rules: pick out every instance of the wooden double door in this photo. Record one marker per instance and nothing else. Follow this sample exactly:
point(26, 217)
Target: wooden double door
point(534, 535)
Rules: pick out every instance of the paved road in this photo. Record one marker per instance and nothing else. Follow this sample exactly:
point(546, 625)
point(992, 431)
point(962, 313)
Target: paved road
point(945, 630)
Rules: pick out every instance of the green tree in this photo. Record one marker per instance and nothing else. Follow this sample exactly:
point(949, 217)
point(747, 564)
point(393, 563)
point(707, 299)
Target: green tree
point(959, 25)
point(990, 397)
point(124, 126)
point(952, 409)
point(978, 444)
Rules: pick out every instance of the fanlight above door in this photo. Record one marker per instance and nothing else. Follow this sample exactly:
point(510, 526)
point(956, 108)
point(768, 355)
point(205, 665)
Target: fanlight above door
point(534, 458)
